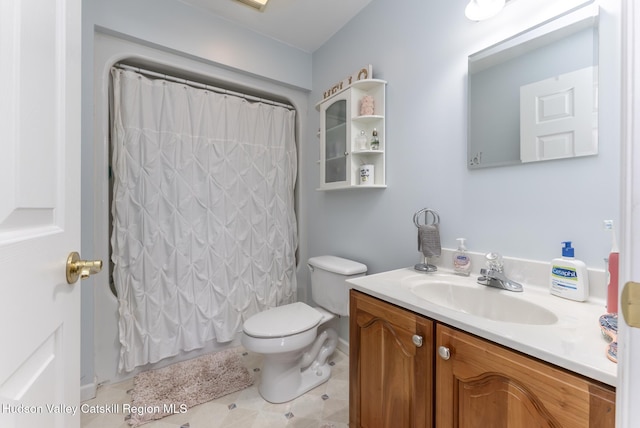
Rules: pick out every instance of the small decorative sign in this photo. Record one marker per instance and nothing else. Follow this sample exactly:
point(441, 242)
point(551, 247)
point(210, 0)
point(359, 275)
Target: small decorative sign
point(364, 73)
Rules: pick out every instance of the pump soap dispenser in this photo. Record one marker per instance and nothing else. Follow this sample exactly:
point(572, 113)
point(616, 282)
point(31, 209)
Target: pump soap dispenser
point(569, 278)
point(461, 260)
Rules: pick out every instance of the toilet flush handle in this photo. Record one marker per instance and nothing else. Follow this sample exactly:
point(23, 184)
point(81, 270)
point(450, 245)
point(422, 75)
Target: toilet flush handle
point(310, 267)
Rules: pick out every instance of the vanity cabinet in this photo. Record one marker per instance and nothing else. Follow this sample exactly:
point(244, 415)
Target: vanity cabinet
point(481, 384)
point(341, 123)
point(469, 381)
point(390, 366)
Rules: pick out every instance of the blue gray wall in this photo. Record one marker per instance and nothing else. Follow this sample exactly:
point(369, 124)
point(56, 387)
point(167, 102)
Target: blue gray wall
point(524, 211)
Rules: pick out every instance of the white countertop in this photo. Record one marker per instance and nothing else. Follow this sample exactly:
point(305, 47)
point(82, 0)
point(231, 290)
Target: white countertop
point(574, 342)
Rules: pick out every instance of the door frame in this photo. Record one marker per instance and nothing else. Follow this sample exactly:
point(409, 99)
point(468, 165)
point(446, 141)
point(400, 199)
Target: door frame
point(628, 373)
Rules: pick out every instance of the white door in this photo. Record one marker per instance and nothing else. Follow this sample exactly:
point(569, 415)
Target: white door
point(627, 410)
point(39, 212)
point(558, 117)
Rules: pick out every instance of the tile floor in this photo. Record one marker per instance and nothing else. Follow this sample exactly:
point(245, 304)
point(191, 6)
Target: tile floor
point(326, 406)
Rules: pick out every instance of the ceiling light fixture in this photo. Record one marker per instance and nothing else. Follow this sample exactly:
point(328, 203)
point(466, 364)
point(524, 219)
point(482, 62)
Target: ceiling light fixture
point(478, 10)
point(256, 4)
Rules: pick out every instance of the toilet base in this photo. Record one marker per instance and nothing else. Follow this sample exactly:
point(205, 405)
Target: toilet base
point(283, 376)
point(276, 392)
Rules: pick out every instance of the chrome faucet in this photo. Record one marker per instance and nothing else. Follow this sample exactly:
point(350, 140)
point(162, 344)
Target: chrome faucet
point(493, 275)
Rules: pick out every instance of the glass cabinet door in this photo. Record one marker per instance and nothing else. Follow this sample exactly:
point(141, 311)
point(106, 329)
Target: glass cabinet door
point(342, 155)
point(335, 165)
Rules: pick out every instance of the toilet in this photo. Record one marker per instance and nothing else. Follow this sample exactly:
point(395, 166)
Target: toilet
point(295, 339)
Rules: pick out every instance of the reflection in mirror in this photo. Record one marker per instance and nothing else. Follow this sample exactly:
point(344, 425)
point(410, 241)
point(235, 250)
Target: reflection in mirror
point(534, 97)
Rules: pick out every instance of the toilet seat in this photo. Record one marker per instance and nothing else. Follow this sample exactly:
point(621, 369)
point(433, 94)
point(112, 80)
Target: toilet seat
point(282, 321)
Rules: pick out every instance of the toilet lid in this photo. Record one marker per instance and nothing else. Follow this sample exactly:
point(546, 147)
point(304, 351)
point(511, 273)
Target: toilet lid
point(282, 321)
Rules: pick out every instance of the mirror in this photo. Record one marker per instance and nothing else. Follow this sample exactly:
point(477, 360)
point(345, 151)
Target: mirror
point(534, 96)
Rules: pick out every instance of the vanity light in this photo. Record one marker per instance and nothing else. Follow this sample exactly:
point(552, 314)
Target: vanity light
point(256, 4)
point(478, 10)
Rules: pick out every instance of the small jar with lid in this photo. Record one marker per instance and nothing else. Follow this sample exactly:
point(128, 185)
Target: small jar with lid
point(361, 141)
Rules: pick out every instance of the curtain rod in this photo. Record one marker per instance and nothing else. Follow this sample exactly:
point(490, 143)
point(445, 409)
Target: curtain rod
point(202, 86)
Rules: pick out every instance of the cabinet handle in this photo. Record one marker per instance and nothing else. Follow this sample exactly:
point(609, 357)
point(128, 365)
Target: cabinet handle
point(346, 153)
point(417, 340)
point(444, 352)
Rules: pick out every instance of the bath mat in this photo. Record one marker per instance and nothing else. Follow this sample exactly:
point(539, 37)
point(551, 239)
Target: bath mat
point(175, 388)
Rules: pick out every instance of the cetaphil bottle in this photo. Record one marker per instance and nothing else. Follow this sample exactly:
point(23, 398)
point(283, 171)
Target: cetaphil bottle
point(569, 277)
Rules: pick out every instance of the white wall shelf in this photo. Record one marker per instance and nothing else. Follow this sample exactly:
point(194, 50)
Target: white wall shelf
point(341, 156)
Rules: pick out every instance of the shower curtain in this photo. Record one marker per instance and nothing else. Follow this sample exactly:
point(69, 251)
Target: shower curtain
point(204, 228)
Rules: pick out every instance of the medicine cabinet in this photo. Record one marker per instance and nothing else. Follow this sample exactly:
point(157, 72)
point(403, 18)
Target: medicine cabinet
point(349, 120)
point(534, 97)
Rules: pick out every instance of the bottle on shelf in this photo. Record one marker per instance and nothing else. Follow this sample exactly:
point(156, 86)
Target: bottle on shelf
point(361, 141)
point(375, 142)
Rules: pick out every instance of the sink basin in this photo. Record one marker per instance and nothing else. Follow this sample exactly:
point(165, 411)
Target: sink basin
point(486, 302)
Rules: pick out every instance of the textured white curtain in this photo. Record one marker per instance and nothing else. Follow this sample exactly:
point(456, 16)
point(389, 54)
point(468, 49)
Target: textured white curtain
point(204, 228)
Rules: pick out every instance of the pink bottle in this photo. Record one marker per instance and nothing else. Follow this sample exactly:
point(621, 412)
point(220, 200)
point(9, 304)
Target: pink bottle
point(612, 266)
point(612, 287)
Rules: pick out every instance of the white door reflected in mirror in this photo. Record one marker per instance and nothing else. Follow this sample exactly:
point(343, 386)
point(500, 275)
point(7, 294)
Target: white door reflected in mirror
point(558, 117)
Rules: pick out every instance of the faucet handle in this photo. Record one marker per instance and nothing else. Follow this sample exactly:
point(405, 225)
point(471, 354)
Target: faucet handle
point(484, 279)
point(494, 262)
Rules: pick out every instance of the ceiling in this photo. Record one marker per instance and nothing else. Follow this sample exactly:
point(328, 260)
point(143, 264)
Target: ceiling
point(304, 24)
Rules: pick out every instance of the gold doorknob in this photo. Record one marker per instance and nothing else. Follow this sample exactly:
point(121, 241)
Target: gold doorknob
point(630, 303)
point(77, 268)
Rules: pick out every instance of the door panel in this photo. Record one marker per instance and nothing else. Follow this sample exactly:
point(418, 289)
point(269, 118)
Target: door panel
point(558, 117)
point(39, 211)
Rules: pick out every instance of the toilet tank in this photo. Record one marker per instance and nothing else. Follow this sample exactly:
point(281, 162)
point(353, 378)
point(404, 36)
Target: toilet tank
point(328, 286)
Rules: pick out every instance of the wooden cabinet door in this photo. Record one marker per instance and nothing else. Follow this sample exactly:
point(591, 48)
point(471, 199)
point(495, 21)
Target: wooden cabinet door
point(485, 385)
point(391, 366)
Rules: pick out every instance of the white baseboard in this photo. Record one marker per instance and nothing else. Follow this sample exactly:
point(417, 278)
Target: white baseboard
point(88, 391)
